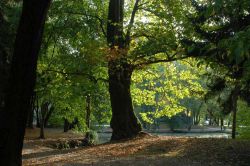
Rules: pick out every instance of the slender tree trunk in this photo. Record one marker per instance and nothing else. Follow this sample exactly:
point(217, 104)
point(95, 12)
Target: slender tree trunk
point(87, 140)
point(88, 111)
point(37, 118)
point(234, 123)
point(13, 118)
point(37, 113)
point(31, 113)
point(42, 136)
point(234, 99)
point(66, 125)
point(228, 123)
point(43, 114)
point(189, 120)
point(30, 119)
point(221, 124)
point(197, 115)
point(124, 122)
point(46, 120)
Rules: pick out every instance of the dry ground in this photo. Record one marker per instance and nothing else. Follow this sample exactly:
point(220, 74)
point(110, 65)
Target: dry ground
point(145, 150)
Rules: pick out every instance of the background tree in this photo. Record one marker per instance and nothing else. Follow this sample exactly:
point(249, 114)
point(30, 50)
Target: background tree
point(9, 16)
point(165, 90)
point(71, 68)
point(222, 39)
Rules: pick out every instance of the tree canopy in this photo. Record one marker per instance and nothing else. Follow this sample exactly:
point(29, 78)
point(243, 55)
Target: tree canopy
point(128, 63)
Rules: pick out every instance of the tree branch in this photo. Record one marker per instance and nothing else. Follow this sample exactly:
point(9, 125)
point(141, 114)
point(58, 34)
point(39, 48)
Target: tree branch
point(101, 21)
point(160, 61)
point(131, 22)
point(89, 76)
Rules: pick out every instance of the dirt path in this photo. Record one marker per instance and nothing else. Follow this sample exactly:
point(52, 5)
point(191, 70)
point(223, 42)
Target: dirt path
point(147, 150)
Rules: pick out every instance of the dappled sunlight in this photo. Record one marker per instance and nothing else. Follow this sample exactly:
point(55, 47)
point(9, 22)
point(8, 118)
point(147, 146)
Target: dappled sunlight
point(118, 149)
point(173, 153)
point(115, 82)
point(34, 149)
point(51, 133)
point(151, 149)
point(165, 146)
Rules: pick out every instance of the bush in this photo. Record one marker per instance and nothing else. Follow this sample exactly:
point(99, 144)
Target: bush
point(67, 144)
point(91, 138)
point(243, 120)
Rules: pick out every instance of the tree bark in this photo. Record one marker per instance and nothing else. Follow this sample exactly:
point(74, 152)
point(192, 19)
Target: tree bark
point(31, 112)
point(234, 98)
point(234, 122)
point(43, 114)
point(4, 56)
point(30, 118)
point(37, 113)
point(22, 80)
point(124, 122)
point(48, 115)
point(66, 125)
point(87, 138)
point(37, 118)
point(222, 124)
point(88, 111)
point(42, 136)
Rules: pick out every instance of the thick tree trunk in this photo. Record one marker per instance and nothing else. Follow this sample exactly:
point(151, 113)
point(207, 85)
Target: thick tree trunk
point(124, 122)
point(4, 54)
point(13, 118)
point(6, 41)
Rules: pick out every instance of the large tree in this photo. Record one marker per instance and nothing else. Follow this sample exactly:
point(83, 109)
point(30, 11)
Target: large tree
point(135, 42)
point(124, 122)
point(22, 80)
